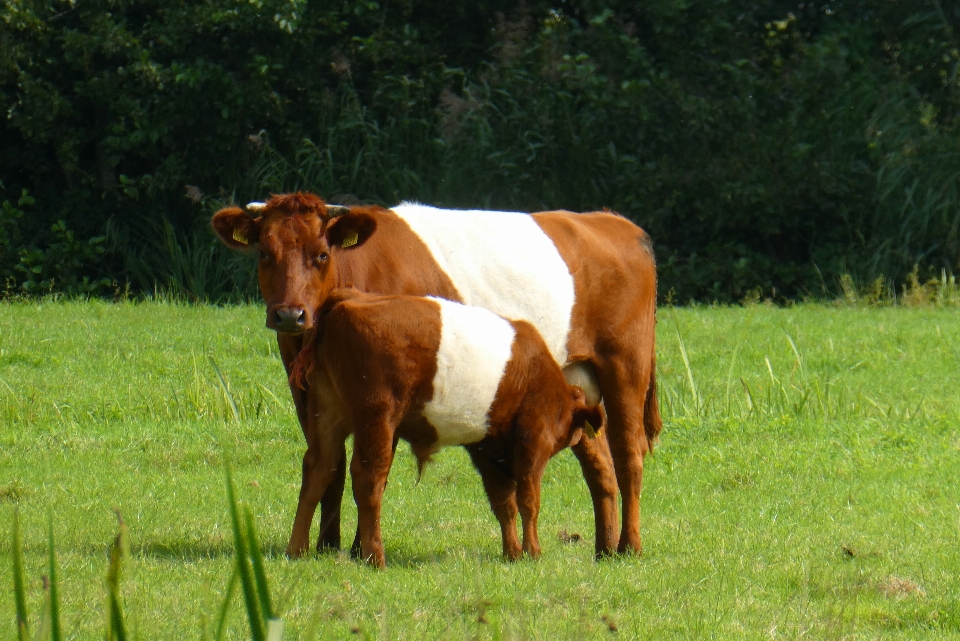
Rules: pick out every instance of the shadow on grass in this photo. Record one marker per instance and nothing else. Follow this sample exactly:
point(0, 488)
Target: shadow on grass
point(400, 556)
point(183, 551)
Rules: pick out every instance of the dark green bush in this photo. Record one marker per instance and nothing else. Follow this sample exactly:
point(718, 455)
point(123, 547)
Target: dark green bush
point(772, 145)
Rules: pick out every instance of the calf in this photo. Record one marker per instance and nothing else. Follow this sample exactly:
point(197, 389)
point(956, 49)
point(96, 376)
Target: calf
point(434, 373)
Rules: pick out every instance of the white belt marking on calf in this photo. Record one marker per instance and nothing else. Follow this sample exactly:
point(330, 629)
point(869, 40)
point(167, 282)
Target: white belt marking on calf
point(502, 261)
point(475, 347)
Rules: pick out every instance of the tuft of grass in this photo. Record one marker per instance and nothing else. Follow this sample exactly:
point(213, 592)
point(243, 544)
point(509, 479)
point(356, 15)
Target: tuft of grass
point(264, 624)
point(119, 553)
point(19, 588)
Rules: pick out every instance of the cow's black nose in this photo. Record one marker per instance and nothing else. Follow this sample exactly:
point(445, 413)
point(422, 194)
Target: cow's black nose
point(290, 319)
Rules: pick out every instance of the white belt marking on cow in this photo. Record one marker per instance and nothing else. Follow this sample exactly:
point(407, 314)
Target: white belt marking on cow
point(475, 347)
point(502, 261)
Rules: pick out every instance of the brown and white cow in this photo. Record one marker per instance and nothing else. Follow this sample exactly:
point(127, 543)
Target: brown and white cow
point(586, 282)
point(434, 373)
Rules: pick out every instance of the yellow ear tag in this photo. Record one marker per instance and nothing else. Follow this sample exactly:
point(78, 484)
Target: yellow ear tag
point(592, 433)
point(240, 237)
point(350, 240)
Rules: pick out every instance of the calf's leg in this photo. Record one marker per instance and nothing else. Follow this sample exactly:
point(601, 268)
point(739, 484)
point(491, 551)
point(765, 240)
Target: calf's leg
point(355, 547)
point(369, 468)
point(502, 493)
point(529, 475)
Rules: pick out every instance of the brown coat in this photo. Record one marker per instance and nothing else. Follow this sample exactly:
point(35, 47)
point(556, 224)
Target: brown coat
point(599, 323)
point(433, 373)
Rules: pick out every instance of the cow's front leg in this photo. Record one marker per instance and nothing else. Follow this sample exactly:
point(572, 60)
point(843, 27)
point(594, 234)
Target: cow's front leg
point(330, 505)
point(319, 470)
point(326, 438)
point(372, 457)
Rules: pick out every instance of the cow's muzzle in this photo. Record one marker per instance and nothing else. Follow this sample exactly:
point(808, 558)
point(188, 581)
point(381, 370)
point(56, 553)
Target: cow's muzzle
point(288, 319)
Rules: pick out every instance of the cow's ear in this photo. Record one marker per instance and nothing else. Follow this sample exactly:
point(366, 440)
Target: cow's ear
point(236, 228)
point(350, 230)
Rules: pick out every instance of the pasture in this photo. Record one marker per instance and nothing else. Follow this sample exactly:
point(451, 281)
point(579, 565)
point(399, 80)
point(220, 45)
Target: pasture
point(806, 485)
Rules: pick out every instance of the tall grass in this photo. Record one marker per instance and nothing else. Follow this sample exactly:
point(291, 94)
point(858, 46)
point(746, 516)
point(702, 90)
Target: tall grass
point(917, 220)
point(265, 624)
point(188, 264)
point(377, 157)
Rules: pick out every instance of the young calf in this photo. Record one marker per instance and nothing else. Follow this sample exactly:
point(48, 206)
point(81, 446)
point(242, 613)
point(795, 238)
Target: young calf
point(433, 373)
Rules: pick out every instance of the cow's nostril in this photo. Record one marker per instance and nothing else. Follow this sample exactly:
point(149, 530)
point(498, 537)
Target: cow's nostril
point(290, 318)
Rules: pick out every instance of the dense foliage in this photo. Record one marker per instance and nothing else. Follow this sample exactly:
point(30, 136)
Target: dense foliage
point(763, 144)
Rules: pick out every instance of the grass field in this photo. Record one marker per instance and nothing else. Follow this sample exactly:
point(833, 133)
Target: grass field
point(806, 485)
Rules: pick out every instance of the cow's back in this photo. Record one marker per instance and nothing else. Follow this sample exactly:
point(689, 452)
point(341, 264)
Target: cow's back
point(573, 276)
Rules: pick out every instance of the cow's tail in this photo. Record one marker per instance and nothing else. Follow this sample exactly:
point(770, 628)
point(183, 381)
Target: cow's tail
point(652, 423)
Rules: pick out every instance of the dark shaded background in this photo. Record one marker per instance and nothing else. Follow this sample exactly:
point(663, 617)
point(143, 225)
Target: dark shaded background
point(772, 145)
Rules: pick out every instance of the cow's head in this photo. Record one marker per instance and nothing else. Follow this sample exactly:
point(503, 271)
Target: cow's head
point(299, 238)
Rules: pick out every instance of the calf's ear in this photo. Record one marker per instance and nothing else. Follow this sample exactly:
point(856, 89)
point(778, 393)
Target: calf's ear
point(236, 228)
point(583, 414)
point(350, 230)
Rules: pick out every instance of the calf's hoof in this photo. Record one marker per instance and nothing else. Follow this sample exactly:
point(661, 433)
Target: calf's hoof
point(630, 550)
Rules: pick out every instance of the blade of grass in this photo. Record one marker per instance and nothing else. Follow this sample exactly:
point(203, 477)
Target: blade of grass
point(686, 363)
point(116, 628)
point(19, 589)
point(796, 352)
point(275, 630)
point(226, 390)
point(313, 623)
point(284, 406)
point(225, 608)
point(256, 557)
point(55, 631)
point(733, 362)
point(254, 615)
point(746, 389)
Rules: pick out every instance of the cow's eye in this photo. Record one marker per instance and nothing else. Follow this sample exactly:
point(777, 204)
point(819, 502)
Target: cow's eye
point(322, 257)
point(263, 255)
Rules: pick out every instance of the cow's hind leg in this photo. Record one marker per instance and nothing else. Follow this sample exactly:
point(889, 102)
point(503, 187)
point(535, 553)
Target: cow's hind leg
point(502, 493)
point(625, 384)
point(597, 465)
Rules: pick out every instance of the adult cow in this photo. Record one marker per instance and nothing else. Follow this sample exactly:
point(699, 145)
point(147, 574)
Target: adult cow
point(587, 282)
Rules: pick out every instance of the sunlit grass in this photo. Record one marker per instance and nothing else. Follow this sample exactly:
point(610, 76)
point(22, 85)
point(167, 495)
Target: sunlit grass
point(804, 486)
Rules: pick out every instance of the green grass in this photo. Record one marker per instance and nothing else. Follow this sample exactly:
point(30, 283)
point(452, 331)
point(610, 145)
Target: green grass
point(805, 485)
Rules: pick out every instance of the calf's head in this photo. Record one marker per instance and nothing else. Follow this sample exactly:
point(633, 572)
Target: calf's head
point(299, 239)
point(583, 417)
